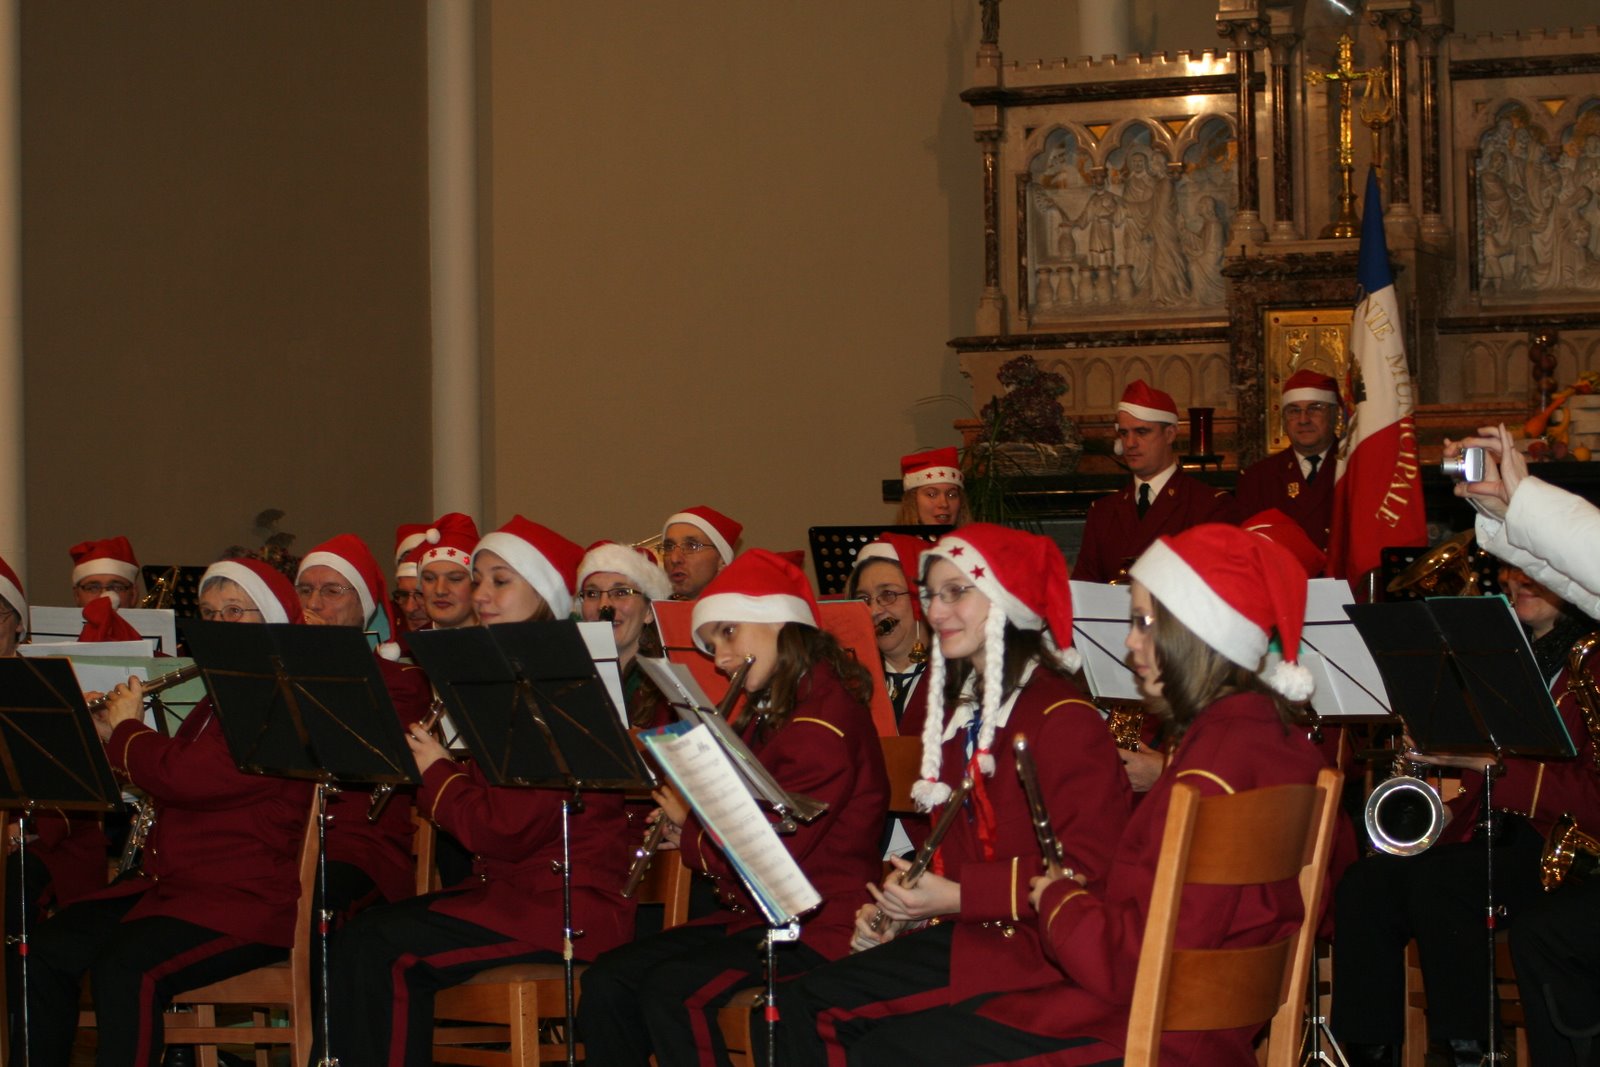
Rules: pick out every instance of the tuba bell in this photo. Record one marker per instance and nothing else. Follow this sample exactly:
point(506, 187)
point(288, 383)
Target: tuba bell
point(1404, 815)
point(1569, 854)
point(1446, 570)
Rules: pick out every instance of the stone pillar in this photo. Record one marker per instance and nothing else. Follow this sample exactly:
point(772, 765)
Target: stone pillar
point(992, 305)
point(1435, 229)
point(1242, 30)
point(457, 420)
point(1283, 90)
point(13, 466)
point(1103, 28)
point(1397, 18)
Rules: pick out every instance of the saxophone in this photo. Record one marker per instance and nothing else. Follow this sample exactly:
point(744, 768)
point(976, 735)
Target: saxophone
point(144, 817)
point(1585, 691)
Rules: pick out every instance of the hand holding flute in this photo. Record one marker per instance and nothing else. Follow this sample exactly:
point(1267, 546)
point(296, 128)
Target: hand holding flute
point(941, 896)
point(1055, 859)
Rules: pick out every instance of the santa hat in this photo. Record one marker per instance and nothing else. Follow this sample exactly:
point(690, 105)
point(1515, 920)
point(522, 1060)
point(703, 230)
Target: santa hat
point(407, 536)
point(638, 565)
point(904, 552)
point(723, 531)
point(102, 623)
point(449, 540)
point(263, 583)
point(1310, 387)
point(1024, 577)
point(1152, 405)
point(759, 586)
point(11, 592)
point(1274, 525)
point(545, 559)
point(1232, 588)
point(942, 466)
point(350, 556)
point(114, 555)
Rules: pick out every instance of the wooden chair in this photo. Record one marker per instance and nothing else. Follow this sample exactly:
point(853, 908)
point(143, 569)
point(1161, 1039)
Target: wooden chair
point(1251, 838)
point(505, 1005)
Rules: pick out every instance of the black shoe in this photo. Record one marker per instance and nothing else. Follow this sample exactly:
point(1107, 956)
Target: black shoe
point(178, 1056)
point(1456, 1052)
point(1372, 1055)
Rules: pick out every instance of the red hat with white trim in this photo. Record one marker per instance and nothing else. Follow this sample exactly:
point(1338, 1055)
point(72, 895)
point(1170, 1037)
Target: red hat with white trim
point(265, 584)
point(941, 466)
point(451, 539)
point(1142, 401)
point(723, 531)
point(1232, 588)
point(546, 560)
point(1024, 577)
point(114, 555)
point(1274, 525)
point(1310, 387)
point(904, 552)
point(759, 586)
point(11, 592)
point(350, 556)
point(407, 536)
point(640, 566)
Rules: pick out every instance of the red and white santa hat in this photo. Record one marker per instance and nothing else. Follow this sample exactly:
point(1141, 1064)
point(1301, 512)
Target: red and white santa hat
point(407, 536)
point(1310, 387)
point(639, 566)
point(1024, 576)
point(1274, 525)
point(545, 559)
point(1232, 588)
point(723, 531)
point(113, 555)
point(941, 466)
point(350, 556)
point(11, 592)
point(269, 587)
point(759, 586)
point(451, 539)
point(1142, 401)
point(904, 552)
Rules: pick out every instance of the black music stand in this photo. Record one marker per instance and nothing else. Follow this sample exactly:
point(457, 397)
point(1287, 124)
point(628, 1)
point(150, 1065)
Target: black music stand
point(1461, 675)
point(50, 756)
point(533, 712)
point(304, 702)
point(834, 548)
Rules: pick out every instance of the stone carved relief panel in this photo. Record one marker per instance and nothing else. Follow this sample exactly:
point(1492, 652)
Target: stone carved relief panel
point(1195, 375)
point(1126, 218)
point(1494, 365)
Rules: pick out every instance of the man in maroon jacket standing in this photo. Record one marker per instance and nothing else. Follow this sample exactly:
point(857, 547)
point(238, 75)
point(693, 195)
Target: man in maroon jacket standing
point(1299, 480)
point(1161, 500)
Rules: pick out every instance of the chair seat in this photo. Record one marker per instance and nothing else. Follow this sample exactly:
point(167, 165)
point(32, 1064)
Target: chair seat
point(269, 984)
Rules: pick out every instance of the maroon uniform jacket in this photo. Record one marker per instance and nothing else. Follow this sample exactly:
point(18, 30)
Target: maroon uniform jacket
point(382, 850)
point(995, 946)
point(1114, 535)
point(72, 846)
point(1276, 482)
point(1541, 790)
point(1094, 936)
point(515, 835)
point(224, 851)
point(829, 751)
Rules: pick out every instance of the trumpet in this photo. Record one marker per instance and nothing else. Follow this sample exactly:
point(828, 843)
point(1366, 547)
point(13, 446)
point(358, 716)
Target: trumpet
point(382, 793)
point(152, 687)
point(1055, 857)
point(924, 856)
point(645, 851)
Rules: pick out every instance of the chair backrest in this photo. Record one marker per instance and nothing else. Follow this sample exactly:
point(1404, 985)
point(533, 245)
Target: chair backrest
point(1256, 837)
point(667, 883)
point(902, 758)
point(424, 850)
point(305, 912)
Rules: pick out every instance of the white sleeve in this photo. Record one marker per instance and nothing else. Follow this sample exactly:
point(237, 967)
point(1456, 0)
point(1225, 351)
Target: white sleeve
point(1554, 536)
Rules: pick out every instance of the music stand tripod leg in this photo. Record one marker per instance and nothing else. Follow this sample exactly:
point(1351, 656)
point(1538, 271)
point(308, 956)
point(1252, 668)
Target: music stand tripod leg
point(1316, 1028)
point(324, 919)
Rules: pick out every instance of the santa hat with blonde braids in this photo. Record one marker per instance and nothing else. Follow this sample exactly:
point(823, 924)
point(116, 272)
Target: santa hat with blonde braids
point(1024, 576)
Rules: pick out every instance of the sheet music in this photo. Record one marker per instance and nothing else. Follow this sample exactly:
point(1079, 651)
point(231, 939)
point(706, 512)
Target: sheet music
point(51, 625)
point(675, 681)
point(704, 776)
point(602, 641)
point(1100, 628)
point(1347, 678)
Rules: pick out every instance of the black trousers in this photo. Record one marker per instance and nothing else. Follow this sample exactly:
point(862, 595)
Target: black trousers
point(1556, 948)
point(18, 897)
point(957, 1036)
point(662, 994)
point(387, 964)
point(1436, 897)
point(137, 967)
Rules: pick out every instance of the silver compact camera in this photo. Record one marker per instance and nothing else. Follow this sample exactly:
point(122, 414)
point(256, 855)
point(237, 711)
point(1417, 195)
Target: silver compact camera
point(1467, 467)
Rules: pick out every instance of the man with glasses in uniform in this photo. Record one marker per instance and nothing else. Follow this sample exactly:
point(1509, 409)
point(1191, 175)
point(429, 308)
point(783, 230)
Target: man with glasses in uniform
point(696, 543)
point(1299, 480)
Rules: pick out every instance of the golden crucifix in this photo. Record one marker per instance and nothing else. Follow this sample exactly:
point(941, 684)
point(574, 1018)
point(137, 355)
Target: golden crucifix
point(1346, 75)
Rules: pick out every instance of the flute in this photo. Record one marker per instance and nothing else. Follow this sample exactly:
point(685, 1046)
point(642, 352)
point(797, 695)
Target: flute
point(1049, 844)
point(153, 686)
point(924, 855)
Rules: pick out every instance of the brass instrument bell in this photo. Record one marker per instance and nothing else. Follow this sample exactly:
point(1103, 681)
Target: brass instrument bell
point(1445, 570)
point(1569, 853)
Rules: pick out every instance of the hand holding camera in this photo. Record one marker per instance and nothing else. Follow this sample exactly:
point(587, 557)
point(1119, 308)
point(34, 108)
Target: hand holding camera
point(1487, 468)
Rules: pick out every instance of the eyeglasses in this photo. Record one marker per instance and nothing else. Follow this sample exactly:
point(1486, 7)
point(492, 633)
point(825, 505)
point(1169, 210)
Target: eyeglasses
point(231, 613)
point(1297, 411)
point(1141, 623)
point(948, 594)
point(689, 547)
point(885, 598)
point(101, 588)
point(330, 591)
point(620, 593)
point(402, 597)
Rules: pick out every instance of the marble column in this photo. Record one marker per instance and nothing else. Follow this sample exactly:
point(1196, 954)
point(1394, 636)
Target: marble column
point(1397, 21)
point(992, 305)
point(453, 259)
point(1284, 89)
point(1435, 229)
point(13, 466)
point(1242, 33)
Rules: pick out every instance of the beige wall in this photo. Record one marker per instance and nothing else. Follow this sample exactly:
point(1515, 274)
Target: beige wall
point(225, 271)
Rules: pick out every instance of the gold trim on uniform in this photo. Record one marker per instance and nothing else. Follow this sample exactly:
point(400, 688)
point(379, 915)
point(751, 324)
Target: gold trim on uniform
point(439, 794)
point(821, 722)
point(1207, 774)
